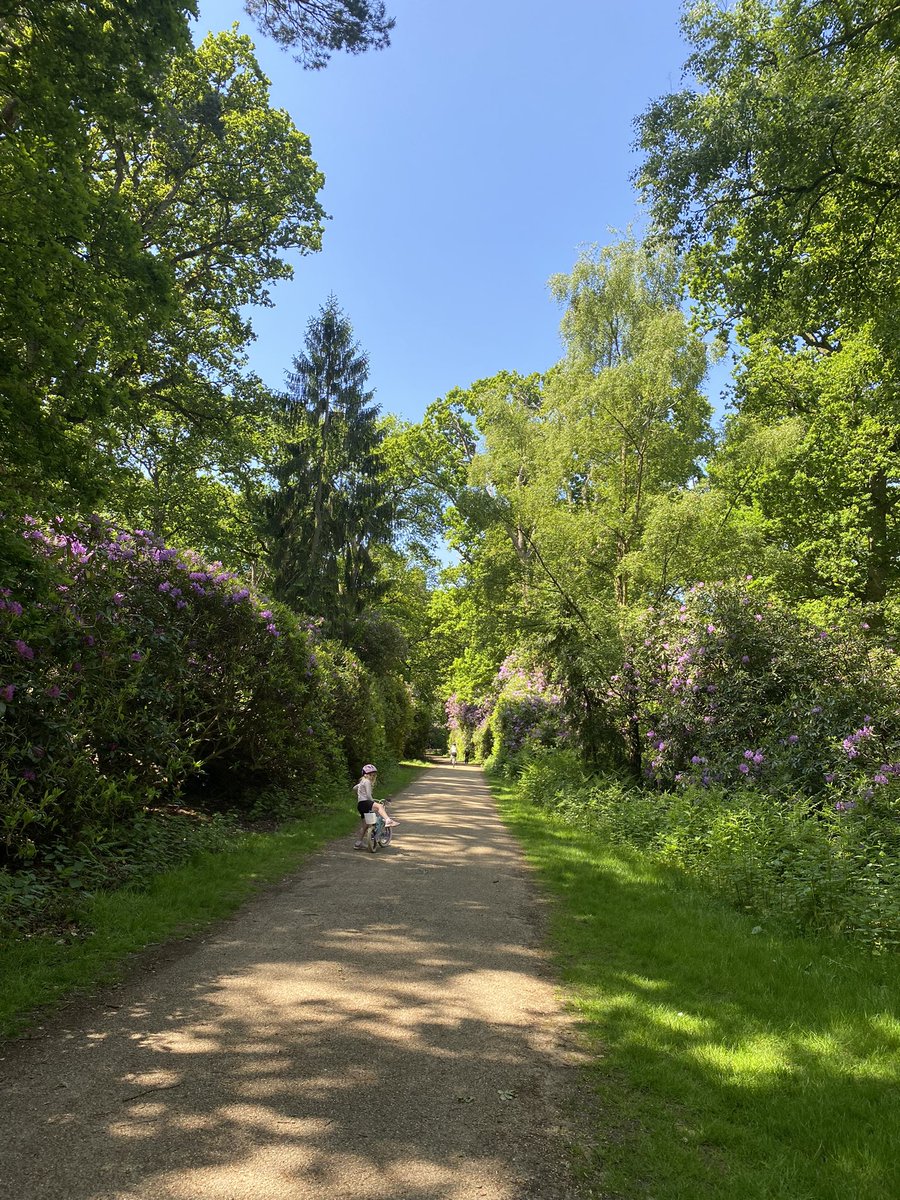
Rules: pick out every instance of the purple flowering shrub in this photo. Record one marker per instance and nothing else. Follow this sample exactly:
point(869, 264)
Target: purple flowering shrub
point(768, 753)
point(522, 713)
point(526, 713)
point(465, 719)
point(462, 715)
point(731, 689)
point(73, 687)
point(128, 668)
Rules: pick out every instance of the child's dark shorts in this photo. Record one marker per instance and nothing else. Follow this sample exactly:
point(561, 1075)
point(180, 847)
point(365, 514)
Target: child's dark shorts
point(364, 806)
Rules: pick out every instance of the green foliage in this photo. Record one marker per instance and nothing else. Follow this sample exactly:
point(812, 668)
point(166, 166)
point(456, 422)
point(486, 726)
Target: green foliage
point(193, 201)
point(80, 287)
point(351, 705)
point(772, 173)
point(775, 169)
point(550, 776)
point(130, 671)
point(426, 466)
point(314, 29)
point(379, 642)
point(420, 735)
point(477, 615)
point(397, 709)
point(221, 187)
point(829, 496)
point(708, 532)
point(328, 511)
point(51, 897)
point(630, 420)
point(791, 864)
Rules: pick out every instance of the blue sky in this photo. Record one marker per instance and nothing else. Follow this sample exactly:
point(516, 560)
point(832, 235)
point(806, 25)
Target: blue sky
point(464, 166)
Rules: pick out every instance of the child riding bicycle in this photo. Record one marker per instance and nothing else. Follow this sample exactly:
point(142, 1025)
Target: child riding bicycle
point(365, 803)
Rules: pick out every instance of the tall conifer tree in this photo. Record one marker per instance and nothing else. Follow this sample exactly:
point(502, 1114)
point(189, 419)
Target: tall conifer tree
point(329, 508)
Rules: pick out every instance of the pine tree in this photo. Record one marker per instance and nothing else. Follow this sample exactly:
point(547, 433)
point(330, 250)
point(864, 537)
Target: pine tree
point(314, 29)
point(329, 508)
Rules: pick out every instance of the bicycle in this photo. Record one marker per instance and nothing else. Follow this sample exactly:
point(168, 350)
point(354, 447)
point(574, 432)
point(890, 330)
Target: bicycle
point(378, 833)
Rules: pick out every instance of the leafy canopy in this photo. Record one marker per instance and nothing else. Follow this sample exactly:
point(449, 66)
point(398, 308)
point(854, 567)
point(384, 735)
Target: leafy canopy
point(777, 170)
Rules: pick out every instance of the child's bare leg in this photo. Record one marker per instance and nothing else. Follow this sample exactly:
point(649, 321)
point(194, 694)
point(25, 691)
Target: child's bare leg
point(383, 813)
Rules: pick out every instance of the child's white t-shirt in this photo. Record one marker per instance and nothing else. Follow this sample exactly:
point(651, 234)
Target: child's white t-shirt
point(364, 789)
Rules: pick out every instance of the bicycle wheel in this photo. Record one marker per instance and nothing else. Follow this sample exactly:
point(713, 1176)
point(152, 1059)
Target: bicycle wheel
point(371, 838)
point(384, 836)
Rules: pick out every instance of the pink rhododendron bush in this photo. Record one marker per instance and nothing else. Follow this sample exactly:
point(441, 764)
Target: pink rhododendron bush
point(525, 715)
point(465, 720)
point(760, 755)
point(130, 670)
point(732, 689)
point(522, 714)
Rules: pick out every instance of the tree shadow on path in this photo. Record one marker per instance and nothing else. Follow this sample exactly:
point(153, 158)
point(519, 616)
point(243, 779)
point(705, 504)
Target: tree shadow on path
point(383, 1025)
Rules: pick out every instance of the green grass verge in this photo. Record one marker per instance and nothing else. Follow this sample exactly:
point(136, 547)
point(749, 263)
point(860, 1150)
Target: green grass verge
point(729, 1065)
point(37, 973)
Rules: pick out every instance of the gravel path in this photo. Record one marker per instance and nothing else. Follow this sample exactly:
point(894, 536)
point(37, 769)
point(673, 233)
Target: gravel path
point(379, 1025)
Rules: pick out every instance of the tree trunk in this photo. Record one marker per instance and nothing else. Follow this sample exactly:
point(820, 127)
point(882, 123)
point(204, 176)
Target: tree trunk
point(878, 570)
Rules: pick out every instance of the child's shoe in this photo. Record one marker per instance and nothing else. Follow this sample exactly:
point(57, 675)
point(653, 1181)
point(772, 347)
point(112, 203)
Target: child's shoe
point(359, 845)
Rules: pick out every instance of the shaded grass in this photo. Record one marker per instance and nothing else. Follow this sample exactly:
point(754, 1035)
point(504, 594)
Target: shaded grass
point(729, 1064)
point(37, 973)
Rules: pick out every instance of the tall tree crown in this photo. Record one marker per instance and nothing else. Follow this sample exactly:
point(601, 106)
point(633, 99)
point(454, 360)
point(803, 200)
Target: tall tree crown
point(314, 29)
point(330, 508)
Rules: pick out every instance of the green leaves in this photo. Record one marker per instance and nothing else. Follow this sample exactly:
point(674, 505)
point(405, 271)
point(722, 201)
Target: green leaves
point(316, 28)
point(329, 512)
point(223, 187)
point(776, 173)
point(777, 176)
point(77, 283)
point(144, 221)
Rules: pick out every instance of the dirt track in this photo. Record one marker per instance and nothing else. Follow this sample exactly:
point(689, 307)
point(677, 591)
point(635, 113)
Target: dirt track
point(377, 1026)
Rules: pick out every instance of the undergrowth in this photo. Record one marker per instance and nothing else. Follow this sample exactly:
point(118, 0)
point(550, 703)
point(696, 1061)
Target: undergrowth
point(730, 1060)
point(791, 863)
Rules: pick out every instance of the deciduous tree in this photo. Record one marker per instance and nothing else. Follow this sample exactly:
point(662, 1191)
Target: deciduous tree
point(78, 286)
point(777, 171)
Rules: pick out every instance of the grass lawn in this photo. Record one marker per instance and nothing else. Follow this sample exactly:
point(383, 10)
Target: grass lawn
point(38, 972)
point(729, 1064)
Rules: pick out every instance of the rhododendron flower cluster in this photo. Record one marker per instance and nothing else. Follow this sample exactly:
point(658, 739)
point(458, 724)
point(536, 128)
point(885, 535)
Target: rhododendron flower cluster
point(128, 665)
point(463, 716)
point(523, 709)
point(723, 689)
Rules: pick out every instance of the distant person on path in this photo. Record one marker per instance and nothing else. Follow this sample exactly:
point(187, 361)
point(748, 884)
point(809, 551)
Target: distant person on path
point(453, 755)
point(365, 803)
point(467, 754)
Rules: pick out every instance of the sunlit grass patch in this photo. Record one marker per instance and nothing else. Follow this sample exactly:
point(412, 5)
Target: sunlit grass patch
point(732, 1063)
